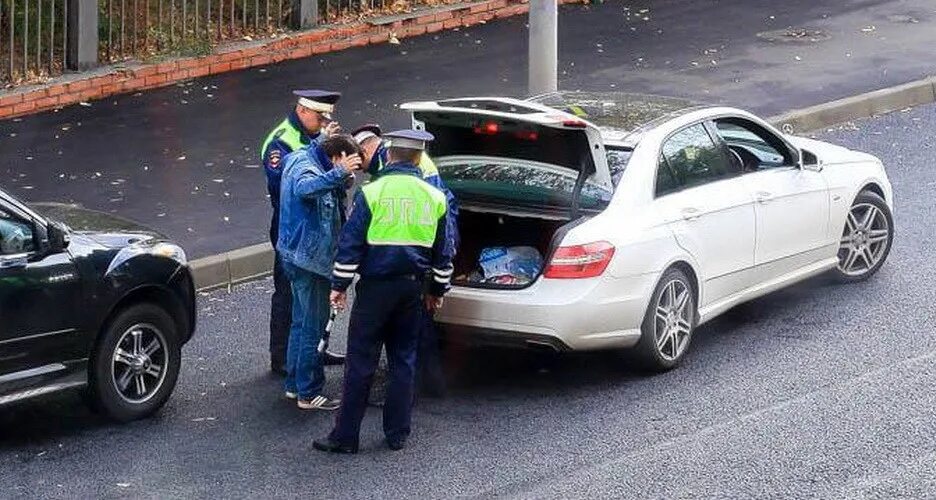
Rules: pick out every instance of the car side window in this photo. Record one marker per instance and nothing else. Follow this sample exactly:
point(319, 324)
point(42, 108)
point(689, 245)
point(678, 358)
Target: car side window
point(690, 158)
point(757, 148)
point(16, 236)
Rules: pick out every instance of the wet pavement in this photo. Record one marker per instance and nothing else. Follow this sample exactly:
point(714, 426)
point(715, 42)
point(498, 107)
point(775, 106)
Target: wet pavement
point(184, 159)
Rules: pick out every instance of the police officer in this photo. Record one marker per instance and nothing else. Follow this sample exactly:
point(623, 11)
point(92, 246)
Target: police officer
point(309, 121)
point(395, 237)
point(430, 375)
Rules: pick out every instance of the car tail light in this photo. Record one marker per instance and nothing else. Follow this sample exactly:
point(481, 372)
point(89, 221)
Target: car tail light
point(574, 124)
point(489, 128)
point(580, 261)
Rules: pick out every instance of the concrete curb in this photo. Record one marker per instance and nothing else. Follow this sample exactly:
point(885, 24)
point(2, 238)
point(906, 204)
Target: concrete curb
point(872, 103)
point(256, 261)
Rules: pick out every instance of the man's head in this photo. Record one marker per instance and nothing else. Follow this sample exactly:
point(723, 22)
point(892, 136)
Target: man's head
point(368, 137)
point(335, 145)
point(314, 108)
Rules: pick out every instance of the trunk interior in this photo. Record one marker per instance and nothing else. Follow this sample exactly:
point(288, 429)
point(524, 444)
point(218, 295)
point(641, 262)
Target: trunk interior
point(479, 230)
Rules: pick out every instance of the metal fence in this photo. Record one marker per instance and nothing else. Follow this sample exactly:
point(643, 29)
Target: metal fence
point(142, 28)
point(41, 38)
point(32, 39)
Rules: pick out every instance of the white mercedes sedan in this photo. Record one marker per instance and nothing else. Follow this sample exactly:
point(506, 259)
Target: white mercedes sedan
point(651, 216)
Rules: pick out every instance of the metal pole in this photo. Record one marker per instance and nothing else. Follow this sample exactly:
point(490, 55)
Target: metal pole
point(305, 14)
point(82, 34)
point(544, 47)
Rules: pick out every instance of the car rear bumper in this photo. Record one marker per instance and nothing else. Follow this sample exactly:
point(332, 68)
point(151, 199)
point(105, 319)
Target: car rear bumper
point(587, 314)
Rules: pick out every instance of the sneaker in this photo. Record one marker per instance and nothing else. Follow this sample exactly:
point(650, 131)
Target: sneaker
point(291, 395)
point(318, 403)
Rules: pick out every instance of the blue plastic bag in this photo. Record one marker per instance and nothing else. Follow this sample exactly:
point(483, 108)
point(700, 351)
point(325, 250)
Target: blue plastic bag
point(524, 263)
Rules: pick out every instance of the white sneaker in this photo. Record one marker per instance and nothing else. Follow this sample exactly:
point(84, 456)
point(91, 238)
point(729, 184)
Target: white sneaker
point(291, 395)
point(318, 403)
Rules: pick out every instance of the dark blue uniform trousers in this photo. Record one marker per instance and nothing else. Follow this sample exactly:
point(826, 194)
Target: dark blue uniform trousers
point(280, 304)
point(386, 312)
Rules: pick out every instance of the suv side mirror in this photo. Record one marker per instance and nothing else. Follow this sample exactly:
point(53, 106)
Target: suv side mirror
point(58, 237)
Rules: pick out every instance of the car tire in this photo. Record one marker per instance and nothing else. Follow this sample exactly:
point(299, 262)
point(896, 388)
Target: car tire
point(668, 324)
point(866, 238)
point(135, 364)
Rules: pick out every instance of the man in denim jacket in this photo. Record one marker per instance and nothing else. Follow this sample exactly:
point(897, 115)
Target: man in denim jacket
point(311, 213)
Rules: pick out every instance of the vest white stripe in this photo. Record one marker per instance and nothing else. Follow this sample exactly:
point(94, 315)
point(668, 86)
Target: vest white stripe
point(443, 281)
point(341, 274)
point(346, 267)
point(443, 273)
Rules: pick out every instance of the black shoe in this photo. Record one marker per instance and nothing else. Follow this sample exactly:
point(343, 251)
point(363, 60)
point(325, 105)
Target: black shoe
point(333, 447)
point(396, 444)
point(278, 368)
point(333, 358)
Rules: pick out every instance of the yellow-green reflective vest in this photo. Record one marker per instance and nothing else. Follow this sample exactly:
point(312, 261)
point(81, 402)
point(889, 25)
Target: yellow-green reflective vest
point(285, 132)
point(405, 210)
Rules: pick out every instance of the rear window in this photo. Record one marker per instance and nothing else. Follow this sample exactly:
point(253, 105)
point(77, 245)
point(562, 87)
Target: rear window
point(462, 135)
point(517, 182)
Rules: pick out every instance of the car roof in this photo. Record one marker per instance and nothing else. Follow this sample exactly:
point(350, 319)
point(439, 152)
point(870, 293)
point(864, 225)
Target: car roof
point(622, 117)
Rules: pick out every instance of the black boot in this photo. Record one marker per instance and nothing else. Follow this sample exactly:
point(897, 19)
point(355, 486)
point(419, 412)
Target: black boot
point(327, 444)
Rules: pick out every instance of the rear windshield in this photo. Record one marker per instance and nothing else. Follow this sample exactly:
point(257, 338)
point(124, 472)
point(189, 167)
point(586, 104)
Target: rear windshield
point(460, 134)
point(518, 182)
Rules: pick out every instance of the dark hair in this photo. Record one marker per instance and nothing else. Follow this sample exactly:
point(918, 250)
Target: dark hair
point(340, 143)
point(405, 154)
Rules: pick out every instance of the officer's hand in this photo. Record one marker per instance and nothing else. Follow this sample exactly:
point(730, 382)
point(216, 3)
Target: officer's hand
point(349, 163)
point(332, 128)
point(339, 300)
point(433, 303)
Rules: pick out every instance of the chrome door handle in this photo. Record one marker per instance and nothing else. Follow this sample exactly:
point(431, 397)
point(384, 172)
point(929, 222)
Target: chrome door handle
point(762, 196)
point(691, 213)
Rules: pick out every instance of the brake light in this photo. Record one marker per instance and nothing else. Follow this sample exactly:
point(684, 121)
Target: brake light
point(489, 128)
point(574, 123)
point(580, 261)
point(527, 135)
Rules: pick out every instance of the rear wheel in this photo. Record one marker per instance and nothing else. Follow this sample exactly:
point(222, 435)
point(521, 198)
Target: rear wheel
point(668, 324)
point(136, 363)
point(866, 238)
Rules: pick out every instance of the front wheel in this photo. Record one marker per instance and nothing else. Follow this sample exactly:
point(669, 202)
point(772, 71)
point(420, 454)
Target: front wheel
point(668, 324)
point(866, 238)
point(136, 363)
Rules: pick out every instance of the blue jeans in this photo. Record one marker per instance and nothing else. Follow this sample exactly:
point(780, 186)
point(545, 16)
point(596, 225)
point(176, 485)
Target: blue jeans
point(305, 374)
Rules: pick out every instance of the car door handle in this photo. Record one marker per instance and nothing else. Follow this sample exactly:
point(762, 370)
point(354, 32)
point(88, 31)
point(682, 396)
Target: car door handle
point(762, 196)
point(14, 261)
point(691, 213)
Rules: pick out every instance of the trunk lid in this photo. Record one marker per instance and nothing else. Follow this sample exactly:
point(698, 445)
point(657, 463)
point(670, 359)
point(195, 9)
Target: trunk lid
point(492, 150)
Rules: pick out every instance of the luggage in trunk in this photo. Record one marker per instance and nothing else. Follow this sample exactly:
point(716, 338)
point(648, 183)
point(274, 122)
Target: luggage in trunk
point(479, 231)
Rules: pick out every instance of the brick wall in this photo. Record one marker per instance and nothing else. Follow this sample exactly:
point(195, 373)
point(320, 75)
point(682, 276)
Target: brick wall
point(100, 84)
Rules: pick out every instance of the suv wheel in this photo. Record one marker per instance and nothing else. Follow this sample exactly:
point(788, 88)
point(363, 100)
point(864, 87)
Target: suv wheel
point(136, 363)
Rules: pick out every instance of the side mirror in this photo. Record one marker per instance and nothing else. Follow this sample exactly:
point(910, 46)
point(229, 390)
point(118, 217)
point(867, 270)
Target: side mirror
point(58, 237)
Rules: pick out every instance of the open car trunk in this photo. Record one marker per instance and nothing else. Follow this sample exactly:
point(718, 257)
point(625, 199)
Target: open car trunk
point(490, 234)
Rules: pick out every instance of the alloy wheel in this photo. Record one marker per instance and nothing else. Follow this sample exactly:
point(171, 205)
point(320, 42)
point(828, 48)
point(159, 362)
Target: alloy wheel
point(673, 320)
point(864, 240)
point(140, 363)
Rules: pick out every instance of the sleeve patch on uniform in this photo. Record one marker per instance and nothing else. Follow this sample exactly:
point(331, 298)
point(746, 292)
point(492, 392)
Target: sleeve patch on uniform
point(275, 157)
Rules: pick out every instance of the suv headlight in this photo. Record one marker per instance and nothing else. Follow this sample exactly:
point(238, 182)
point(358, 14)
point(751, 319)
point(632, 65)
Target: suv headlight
point(162, 249)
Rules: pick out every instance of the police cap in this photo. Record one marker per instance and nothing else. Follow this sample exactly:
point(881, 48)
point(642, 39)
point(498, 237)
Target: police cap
point(320, 101)
point(409, 139)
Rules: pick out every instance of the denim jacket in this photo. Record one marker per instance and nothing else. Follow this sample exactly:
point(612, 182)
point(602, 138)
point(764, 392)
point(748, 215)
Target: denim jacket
point(311, 210)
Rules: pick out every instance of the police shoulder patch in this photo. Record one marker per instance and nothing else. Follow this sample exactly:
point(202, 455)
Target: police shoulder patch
point(275, 157)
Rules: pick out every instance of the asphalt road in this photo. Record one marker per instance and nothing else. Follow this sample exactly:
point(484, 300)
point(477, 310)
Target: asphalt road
point(820, 390)
point(184, 159)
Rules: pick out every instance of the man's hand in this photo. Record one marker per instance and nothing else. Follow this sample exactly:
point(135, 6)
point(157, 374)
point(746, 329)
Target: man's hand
point(332, 128)
point(433, 303)
point(339, 300)
point(349, 163)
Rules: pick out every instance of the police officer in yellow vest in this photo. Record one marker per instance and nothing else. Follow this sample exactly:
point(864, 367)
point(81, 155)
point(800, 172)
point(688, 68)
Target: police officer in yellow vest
point(430, 374)
point(395, 237)
point(309, 121)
